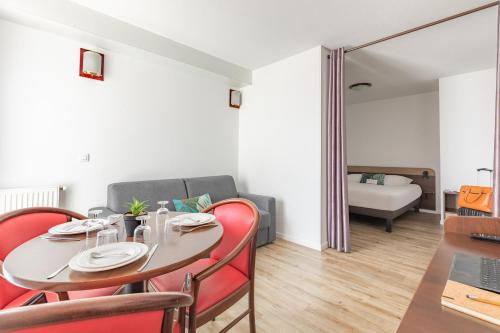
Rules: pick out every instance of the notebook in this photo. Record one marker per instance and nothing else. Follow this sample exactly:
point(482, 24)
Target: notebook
point(477, 276)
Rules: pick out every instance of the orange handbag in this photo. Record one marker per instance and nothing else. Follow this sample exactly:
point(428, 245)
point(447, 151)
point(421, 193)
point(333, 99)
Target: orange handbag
point(476, 197)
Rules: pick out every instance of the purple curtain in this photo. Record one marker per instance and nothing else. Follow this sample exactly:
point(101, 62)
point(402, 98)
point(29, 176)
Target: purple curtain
point(337, 205)
point(496, 160)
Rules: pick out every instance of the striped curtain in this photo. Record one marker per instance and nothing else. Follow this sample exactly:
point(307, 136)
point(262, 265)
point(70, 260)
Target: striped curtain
point(496, 161)
point(337, 205)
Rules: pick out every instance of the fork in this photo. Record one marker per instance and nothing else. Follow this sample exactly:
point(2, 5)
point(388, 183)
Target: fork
point(57, 238)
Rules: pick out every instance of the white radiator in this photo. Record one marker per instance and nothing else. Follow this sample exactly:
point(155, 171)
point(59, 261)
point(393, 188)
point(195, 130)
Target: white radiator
point(17, 198)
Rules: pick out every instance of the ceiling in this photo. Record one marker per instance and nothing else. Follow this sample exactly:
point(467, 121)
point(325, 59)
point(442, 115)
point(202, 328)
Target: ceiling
point(413, 63)
point(258, 32)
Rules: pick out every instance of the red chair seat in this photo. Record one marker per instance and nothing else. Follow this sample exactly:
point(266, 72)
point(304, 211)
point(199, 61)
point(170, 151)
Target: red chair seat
point(20, 300)
point(52, 297)
point(215, 288)
point(79, 294)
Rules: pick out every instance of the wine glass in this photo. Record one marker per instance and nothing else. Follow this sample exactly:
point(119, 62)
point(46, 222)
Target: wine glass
point(91, 226)
point(161, 218)
point(142, 234)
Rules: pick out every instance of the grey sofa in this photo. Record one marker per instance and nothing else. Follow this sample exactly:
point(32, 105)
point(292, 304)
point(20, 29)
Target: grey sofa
point(219, 188)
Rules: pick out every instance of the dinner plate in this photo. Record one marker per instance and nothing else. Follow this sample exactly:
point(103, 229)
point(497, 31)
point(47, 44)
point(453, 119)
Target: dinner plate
point(75, 227)
point(192, 219)
point(83, 262)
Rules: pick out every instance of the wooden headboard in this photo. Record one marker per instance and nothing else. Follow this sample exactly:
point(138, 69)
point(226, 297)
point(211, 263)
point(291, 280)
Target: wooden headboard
point(425, 177)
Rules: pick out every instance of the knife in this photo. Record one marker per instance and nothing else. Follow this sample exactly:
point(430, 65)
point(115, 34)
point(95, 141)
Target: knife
point(150, 255)
point(56, 238)
point(57, 272)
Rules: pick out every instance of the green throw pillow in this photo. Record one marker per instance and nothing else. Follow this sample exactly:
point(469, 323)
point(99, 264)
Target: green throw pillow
point(379, 177)
point(192, 205)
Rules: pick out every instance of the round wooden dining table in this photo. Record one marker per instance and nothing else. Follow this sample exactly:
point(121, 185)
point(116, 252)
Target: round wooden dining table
point(29, 264)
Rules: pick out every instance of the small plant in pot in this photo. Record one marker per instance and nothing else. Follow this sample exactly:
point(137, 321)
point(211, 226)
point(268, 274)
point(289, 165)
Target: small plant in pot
point(135, 208)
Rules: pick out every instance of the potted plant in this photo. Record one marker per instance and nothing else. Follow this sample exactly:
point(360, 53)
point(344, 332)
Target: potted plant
point(135, 208)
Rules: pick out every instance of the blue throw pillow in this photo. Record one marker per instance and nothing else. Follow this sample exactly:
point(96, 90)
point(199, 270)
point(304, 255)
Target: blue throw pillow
point(193, 205)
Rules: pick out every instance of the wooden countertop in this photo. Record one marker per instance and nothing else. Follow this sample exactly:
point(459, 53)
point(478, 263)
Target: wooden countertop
point(425, 313)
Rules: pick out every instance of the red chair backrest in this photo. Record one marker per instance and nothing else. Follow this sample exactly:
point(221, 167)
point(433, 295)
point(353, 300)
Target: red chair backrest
point(147, 312)
point(147, 322)
point(16, 230)
point(237, 220)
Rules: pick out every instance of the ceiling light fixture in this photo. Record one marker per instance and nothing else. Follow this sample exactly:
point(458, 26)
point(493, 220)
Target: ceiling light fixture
point(360, 86)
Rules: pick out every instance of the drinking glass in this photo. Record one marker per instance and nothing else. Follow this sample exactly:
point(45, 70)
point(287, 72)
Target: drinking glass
point(92, 226)
point(161, 218)
point(142, 234)
point(107, 236)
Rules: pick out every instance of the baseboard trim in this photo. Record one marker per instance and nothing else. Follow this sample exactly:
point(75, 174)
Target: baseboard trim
point(299, 241)
point(429, 211)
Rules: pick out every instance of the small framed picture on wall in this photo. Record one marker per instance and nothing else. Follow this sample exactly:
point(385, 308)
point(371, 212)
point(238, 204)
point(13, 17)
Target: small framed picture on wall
point(234, 98)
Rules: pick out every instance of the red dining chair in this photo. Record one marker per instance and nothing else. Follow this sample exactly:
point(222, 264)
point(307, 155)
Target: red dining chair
point(227, 275)
point(20, 226)
point(145, 313)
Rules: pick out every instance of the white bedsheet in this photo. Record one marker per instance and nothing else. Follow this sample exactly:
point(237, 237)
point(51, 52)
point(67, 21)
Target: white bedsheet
point(382, 197)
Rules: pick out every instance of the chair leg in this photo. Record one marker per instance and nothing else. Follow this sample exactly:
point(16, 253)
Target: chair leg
point(251, 308)
point(192, 319)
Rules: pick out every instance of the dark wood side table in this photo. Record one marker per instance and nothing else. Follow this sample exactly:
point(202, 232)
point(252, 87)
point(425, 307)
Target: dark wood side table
point(425, 313)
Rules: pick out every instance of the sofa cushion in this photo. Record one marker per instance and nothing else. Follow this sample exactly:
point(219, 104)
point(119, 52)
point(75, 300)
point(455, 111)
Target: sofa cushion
point(219, 187)
point(152, 191)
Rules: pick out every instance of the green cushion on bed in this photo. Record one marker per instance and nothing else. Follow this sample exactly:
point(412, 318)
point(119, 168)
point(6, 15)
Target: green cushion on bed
point(379, 177)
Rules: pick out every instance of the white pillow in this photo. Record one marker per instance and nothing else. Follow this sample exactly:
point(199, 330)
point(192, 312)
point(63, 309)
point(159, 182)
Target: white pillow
point(395, 180)
point(354, 178)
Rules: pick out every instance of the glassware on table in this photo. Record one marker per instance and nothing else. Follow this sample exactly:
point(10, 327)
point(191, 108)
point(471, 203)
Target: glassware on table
point(161, 218)
point(142, 234)
point(93, 225)
point(107, 236)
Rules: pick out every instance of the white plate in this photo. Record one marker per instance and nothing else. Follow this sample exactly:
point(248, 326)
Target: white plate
point(74, 227)
point(83, 262)
point(192, 219)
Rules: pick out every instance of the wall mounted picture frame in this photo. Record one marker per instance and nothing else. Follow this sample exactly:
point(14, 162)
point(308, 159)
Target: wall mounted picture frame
point(234, 98)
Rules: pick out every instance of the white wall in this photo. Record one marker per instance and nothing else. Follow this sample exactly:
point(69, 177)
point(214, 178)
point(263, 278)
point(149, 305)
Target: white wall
point(145, 121)
point(401, 132)
point(467, 121)
point(280, 143)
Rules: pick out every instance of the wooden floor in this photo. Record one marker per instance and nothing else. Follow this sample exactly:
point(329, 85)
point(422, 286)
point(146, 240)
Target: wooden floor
point(368, 290)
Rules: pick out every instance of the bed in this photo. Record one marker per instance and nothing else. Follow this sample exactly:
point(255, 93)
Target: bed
point(389, 202)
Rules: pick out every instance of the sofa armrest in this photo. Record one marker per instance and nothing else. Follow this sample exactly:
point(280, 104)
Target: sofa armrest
point(261, 201)
point(268, 204)
point(105, 211)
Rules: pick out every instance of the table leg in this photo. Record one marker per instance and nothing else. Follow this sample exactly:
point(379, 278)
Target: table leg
point(63, 296)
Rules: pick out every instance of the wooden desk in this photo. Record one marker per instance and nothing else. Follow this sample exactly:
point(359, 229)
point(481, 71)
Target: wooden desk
point(425, 313)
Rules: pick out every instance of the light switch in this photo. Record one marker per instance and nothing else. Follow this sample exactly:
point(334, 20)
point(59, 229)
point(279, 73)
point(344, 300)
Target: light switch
point(85, 158)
